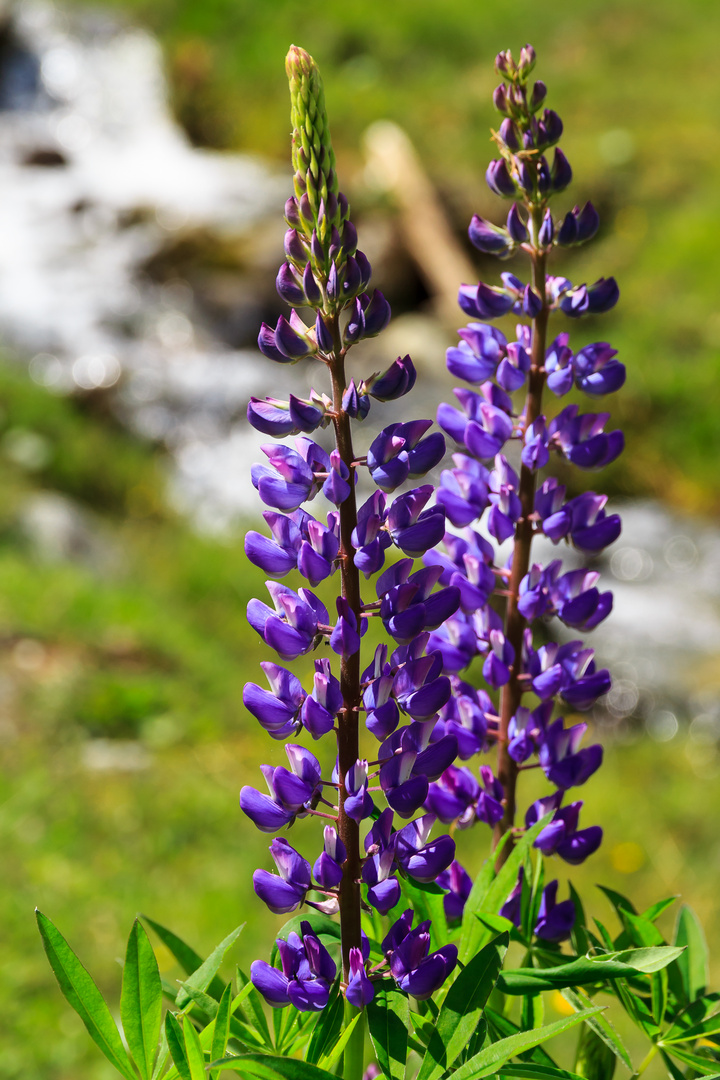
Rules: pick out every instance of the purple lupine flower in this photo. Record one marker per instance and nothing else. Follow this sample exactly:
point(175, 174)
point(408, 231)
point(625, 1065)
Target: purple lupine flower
point(408, 605)
point(307, 973)
point(327, 870)
point(369, 537)
point(578, 226)
point(555, 921)
point(453, 797)
point(499, 660)
point(489, 805)
point(564, 764)
point(320, 708)
point(413, 529)
point(467, 567)
point(506, 508)
point(458, 883)
point(394, 383)
point(360, 990)
point(345, 637)
point(513, 368)
point(582, 440)
point(463, 491)
point(290, 484)
point(414, 969)
point(596, 370)
point(466, 717)
point(562, 836)
point(490, 239)
point(558, 365)
point(291, 790)
point(526, 730)
point(276, 710)
point(419, 858)
point(284, 891)
point(535, 451)
point(419, 687)
point(292, 628)
point(477, 356)
point(358, 801)
point(456, 642)
point(590, 299)
point(536, 595)
point(400, 451)
point(579, 603)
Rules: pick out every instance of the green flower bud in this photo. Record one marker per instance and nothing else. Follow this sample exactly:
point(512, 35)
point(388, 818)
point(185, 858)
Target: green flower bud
point(312, 153)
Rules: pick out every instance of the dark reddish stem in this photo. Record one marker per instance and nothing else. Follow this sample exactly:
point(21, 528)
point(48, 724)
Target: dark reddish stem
point(347, 731)
point(515, 623)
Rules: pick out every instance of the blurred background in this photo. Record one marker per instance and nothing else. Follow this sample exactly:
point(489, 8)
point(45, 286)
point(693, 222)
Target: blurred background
point(144, 163)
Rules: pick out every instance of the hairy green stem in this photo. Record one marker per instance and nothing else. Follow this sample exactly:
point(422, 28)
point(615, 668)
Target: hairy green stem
point(354, 1054)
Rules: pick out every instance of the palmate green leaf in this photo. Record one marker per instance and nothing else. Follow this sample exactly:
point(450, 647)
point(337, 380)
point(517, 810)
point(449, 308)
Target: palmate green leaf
point(693, 964)
point(501, 1027)
point(426, 900)
point(600, 1024)
point(533, 1012)
point(492, 1058)
point(270, 1067)
point(655, 910)
point(586, 970)
point(81, 992)
point(239, 1029)
point(710, 1026)
point(328, 1026)
point(706, 1066)
point(193, 1050)
point(490, 890)
point(636, 1009)
point(252, 1006)
point(221, 1031)
point(187, 958)
point(333, 1054)
point(203, 976)
point(141, 1000)
point(176, 1045)
point(514, 1071)
point(388, 1016)
point(462, 1010)
point(692, 1015)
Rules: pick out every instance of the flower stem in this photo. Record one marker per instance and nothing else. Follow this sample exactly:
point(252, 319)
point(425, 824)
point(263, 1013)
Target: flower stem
point(515, 623)
point(354, 1055)
point(347, 734)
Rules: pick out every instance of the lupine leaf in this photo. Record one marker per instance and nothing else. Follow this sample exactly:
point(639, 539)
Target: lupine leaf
point(187, 958)
point(462, 1009)
point(81, 992)
point(141, 1000)
point(697, 1012)
point(202, 978)
point(176, 1043)
point(693, 964)
point(585, 970)
point(163, 1054)
point(501, 1026)
point(655, 910)
point(221, 1032)
point(536, 1072)
point(600, 1025)
point(492, 1058)
point(427, 903)
point(618, 901)
point(328, 1026)
point(698, 1031)
point(388, 1017)
point(269, 1067)
point(193, 1050)
point(490, 890)
point(533, 1012)
point(637, 1010)
point(423, 1026)
point(331, 1056)
point(703, 1065)
point(253, 1006)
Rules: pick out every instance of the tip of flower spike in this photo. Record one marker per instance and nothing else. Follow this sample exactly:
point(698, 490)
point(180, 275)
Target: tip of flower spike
point(299, 62)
